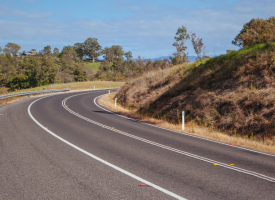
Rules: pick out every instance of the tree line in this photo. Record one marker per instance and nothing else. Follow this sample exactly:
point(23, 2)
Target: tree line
point(90, 48)
point(40, 69)
point(52, 66)
point(69, 65)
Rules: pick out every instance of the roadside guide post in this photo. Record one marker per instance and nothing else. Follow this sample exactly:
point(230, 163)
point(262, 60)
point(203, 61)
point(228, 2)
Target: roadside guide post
point(183, 120)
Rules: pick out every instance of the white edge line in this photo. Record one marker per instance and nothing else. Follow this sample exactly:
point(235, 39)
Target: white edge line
point(180, 132)
point(103, 161)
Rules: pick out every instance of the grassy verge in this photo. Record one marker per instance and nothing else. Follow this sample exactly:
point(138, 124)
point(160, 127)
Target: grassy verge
point(192, 128)
point(74, 86)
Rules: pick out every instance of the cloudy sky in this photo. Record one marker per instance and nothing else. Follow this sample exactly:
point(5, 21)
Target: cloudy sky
point(145, 27)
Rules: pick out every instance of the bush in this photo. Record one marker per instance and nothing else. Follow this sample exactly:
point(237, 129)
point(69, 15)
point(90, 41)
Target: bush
point(256, 31)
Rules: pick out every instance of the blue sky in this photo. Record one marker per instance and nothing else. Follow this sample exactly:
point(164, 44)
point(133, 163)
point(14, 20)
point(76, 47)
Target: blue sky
point(145, 27)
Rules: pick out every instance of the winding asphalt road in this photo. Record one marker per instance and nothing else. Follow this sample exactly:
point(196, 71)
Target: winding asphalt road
point(67, 146)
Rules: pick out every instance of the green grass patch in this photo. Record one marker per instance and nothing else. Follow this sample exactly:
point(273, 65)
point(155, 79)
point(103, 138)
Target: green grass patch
point(94, 66)
point(248, 50)
point(243, 54)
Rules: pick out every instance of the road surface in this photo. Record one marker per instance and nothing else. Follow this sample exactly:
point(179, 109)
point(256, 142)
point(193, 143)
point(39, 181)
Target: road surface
point(66, 146)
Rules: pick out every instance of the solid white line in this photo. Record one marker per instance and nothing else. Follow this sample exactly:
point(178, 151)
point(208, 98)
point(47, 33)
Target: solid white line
point(103, 161)
point(255, 151)
point(228, 166)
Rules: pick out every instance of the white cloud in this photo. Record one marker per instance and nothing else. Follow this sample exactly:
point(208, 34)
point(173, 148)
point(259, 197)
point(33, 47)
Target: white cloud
point(23, 15)
point(150, 31)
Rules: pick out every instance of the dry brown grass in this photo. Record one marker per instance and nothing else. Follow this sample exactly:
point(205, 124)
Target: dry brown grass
point(233, 93)
point(192, 128)
point(3, 90)
point(88, 85)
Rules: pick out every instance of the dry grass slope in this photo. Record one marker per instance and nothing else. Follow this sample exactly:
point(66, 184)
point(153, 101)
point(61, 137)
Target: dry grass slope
point(231, 93)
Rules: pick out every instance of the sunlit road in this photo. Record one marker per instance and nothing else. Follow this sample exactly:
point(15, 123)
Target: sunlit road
point(67, 147)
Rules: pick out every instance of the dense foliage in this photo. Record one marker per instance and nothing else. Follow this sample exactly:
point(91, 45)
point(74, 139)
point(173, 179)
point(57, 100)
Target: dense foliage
point(69, 65)
point(124, 70)
point(38, 70)
point(256, 31)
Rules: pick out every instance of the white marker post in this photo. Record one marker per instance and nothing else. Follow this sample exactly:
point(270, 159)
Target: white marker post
point(109, 92)
point(183, 120)
point(115, 101)
point(94, 87)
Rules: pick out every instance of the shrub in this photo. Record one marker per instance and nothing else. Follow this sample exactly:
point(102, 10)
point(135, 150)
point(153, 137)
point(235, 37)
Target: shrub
point(256, 31)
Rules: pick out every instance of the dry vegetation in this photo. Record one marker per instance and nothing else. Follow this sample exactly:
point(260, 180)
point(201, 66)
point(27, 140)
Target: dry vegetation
point(73, 86)
point(191, 128)
point(231, 93)
point(87, 85)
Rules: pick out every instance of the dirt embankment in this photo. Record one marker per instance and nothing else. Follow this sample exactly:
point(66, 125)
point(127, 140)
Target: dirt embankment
point(234, 93)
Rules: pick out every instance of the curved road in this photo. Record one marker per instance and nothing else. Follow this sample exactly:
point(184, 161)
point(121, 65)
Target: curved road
point(67, 147)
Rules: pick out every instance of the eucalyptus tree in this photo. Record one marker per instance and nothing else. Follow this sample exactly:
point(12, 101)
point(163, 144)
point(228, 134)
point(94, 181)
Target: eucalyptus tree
point(11, 48)
point(118, 51)
point(198, 46)
point(108, 54)
point(128, 55)
point(180, 38)
point(92, 48)
point(56, 52)
point(79, 48)
point(47, 50)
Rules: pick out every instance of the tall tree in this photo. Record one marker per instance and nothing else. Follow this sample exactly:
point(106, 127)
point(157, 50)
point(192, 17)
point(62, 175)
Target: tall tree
point(0, 49)
point(79, 48)
point(68, 53)
point(108, 54)
point(92, 48)
point(56, 52)
point(180, 38)
point(11, 48)
point(118, 51)
point(198, 45)
point(115, 52)
point(256, 31)
point(128, 55)
point(33, 50)
point(47, 50)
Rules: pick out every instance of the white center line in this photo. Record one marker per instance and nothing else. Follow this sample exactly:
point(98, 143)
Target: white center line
point(228, 166)
point(101, 160)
